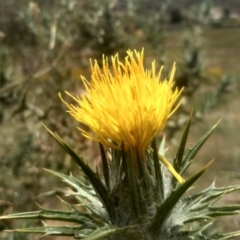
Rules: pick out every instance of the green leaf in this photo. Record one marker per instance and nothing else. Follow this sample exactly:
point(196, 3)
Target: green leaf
point(67, 216)
point(93, 178)
point(225, 236)
point(82, 190)
point(84, 193)
point(177, 161)
point(211, 193)
point(201, 205)
point(223, 210)
point(106, 231)
point(193, 151)
point(199, 235)
point(166, 208)
point(50, 230)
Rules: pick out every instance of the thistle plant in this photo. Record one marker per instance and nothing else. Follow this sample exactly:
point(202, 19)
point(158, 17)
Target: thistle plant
point(139, 194)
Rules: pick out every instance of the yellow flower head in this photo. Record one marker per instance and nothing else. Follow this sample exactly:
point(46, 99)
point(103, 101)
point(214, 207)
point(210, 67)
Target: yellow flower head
point(125, 104)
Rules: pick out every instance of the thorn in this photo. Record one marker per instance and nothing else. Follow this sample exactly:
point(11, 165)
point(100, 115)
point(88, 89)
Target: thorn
point(217, 123)
point(209, 163)
point(39, 205)
point(44, 224)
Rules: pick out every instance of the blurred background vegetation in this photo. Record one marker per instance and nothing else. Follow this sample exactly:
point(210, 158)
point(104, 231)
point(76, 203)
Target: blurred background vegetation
point(44, 48)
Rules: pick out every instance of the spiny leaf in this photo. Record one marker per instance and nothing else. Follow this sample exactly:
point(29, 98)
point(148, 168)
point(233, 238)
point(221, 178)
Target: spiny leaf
point(193, 151)
point(223, 210)
point(82, 189)
point(210, 194)
point(165, 209)
point(70, 216)
point(177, 162)
point(201, 206)
point(196, 218)
point(93, 178)
point(107, 231)
point(50, 230)
point(195, 234)
point(77, 231)
point(225, 236)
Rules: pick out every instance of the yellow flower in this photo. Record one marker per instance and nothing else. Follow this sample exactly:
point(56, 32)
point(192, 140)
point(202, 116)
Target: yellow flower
point(124, 103)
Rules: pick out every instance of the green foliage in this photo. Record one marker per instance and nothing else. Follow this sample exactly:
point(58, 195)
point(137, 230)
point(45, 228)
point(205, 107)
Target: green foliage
point(130, 204)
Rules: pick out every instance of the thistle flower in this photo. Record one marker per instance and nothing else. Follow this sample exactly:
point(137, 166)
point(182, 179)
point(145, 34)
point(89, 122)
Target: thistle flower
point(129, 105)
point(126, 109)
